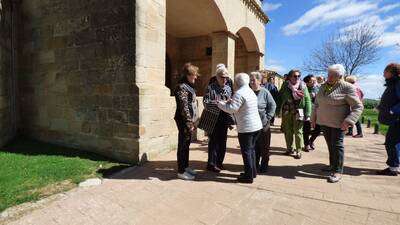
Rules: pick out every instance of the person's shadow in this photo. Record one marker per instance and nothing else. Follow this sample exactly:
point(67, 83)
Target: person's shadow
point(166, 170)
point(314, 171)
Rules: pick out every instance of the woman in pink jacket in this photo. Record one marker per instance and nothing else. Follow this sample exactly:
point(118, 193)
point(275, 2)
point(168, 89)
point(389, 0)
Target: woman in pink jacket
point(352, 80)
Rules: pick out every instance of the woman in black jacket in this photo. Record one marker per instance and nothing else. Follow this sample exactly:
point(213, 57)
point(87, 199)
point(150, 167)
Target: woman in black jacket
point(389, 115)
point(185, 117)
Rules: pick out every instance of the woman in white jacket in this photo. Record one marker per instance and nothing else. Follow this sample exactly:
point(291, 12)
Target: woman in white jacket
point(245, 109)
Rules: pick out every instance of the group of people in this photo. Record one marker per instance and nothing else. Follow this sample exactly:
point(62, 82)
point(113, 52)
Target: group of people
point(307, 108)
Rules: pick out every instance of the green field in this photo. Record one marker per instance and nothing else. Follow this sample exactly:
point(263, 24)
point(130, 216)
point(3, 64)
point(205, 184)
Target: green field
point(31, 170)
point(373, 116)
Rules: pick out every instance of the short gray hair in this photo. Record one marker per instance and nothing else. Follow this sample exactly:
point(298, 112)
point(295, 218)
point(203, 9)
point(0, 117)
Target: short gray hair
point(221, 70)
point(337, 68)
point(257, 75)
point(242, 79)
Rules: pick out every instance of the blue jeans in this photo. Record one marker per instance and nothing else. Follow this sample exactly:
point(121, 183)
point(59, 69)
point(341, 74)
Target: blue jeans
point(392, 139)
point(334, 139)
point(247, 143)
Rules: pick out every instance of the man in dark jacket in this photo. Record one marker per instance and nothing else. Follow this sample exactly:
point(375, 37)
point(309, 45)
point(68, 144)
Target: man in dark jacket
point(271, 87)
point(389, 114)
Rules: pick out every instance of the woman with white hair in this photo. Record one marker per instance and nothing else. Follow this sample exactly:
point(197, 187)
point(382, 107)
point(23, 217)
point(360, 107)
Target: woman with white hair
point(266, 110)
point(244, 107)
point(337, 107)
point(214, 121)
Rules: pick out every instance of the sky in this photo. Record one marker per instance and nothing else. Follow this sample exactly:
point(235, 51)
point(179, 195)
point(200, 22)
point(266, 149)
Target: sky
point(299, 26)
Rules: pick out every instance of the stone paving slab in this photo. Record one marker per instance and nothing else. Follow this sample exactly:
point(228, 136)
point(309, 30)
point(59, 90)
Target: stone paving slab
point(292, 192)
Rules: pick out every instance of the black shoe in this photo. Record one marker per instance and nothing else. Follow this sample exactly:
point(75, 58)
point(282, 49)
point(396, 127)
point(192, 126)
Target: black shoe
point(221, 167)
point(387, 172)
point(307, 148)
point(213, 169)
point(297, 155)
point(349, 134)
point(242, 175)
point(263, 169)
point(312, 146)
point(246, 180)
point(289, 152)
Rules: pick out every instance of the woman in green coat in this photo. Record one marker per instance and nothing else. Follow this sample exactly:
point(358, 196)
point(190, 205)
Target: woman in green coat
point(294, 103)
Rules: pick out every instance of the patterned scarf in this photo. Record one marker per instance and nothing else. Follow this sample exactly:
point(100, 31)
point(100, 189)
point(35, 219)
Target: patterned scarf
point(296, 92)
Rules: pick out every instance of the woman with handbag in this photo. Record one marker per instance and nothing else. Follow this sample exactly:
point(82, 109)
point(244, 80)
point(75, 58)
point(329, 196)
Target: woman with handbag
point(215, 121)
point(295, 104)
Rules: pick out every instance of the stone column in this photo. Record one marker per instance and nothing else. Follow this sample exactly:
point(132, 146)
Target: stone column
point(255, 61)
point(223, 51)
point(157, 130)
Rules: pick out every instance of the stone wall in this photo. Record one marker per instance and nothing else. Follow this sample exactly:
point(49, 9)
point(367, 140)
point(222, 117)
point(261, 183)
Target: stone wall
point(157, 130)
point(77, 73)
point(6, 131)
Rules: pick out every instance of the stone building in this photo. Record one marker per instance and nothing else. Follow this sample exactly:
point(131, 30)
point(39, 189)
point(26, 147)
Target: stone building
point(96, 74)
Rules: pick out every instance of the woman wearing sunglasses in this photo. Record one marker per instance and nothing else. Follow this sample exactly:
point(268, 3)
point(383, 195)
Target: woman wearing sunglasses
point(294, 103)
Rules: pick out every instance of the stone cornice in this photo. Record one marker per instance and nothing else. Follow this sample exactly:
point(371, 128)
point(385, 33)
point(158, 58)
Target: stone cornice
point(255, 7)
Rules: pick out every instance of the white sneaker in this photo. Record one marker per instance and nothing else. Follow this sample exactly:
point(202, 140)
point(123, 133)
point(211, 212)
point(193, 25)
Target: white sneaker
point(185, 176)
point(191, 171)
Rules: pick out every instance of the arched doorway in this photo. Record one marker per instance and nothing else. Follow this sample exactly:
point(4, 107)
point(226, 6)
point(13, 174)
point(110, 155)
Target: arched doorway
point(247, 53)
point(189, 28)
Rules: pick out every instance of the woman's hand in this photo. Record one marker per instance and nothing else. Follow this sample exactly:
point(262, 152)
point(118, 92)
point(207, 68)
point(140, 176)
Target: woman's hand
point(345, 125)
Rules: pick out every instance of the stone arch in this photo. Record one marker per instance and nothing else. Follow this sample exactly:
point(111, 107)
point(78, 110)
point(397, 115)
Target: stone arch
point(189, 27)
point(248, 56)
point(249, 39)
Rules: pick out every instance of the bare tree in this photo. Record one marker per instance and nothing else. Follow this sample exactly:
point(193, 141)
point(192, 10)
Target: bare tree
point(354, 48)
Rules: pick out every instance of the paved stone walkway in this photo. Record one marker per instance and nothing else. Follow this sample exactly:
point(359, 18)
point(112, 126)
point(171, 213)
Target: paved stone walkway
point(292, 192)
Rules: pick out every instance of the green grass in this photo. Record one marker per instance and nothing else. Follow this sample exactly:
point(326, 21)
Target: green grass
point(373, 116)
point(31, 170)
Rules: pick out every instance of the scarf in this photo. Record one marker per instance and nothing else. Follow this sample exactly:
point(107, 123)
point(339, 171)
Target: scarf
point(297, 94)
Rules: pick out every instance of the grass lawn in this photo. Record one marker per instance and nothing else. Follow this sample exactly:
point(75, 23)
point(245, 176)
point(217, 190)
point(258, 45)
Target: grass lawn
point(31, 170)
point(373, 116)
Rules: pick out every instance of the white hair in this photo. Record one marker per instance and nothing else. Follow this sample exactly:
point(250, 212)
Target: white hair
point(242, 79)
point(257, 75)
point(221, 69)
point(338, 69)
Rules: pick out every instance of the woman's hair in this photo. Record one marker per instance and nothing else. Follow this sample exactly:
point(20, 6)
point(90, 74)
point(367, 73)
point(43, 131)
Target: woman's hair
point(257, 75)
point(242, 79)
point(221, 69)
point(394, 69)
point(189, 69)
point(351, 79)
point(338, 69)
point(292, 72)
point(308, 78)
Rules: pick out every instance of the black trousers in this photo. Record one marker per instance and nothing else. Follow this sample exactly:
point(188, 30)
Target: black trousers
point(217, 144)
point(392, 139)
point(334, 139)
point(309, 135)
point(184, 138)
point(358, 127)
point(263, 144)
point(247, 143)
